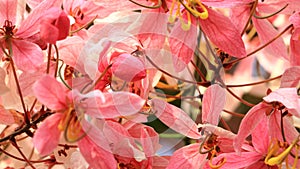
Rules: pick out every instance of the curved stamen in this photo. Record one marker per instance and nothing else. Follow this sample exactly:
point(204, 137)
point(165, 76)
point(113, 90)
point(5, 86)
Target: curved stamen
point(220, 163)
point(277, 160)
point(202, 15)
point(270, 15)
point(158, 5)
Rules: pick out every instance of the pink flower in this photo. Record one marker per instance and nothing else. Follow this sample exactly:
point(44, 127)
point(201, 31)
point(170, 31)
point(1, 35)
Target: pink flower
point(54, 26)
point(279, 104)
point(70, 108)
point(266, 153)
point(26, 55)
point(295, 40)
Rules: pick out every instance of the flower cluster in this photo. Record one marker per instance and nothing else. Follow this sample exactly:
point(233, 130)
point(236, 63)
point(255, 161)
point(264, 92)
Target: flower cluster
point(149, 84)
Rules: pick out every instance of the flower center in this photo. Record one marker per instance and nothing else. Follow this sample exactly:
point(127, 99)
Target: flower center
point(279, 151)
point(71, 126)
point(8, 29)
point(194, 7)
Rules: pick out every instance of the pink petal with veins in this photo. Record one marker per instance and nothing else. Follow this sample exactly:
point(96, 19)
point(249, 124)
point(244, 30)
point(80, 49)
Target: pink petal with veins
point(234, 160)
point(276, 48)
point(128, 68)
point(175, 118)
point(183, 44)
point(27, 56)
point(226, 3)
point(291, 77)
point(187, 157)
point(116, 104)
point(96, 156)
point(46, 137)
point(50, 93)
point(30, 25)
point(220, 30)
point(213, 104)
point(288, 97)
point(8, 11)
point(254, 116)
point(295, 50)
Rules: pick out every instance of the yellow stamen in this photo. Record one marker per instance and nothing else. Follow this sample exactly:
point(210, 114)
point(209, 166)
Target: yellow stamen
point(202, 15)
point(186, 26)
point(172, 17)
point(277, 160)
point(223, 161)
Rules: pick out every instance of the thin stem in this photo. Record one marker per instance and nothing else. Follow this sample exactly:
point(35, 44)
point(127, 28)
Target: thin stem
point(84, 26)
point(240, 99)
point(226, 126)
point(233, 113)
point(26, 127)
point(98, 80)
point(175, 77)
point(49, 59)
point(14, 143)
point(250, 16)
point(57, 60)
point(261, 47)
point(26, 113)
point(146, 6)
point(254, 83)
point(268, 16)
point(199, 71)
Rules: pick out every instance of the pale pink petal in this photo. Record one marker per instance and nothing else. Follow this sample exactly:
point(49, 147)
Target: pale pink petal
point(175, 118)
point(50, 93)
point(270, 7)
point(239, 16)
point(96, 156)
point(8, 11)
point(128, 68)
point(260, 137)
point(47, 136)
point(234, 160)
point(3, 87)
point(220, 30)
point(288, 97)
point(187, 157)
point(182, 44)
point(276, 48)
point(291, 77)
point(153, 29)
point(147, 136)
point(30, 25)
point(27, 56)
point(295, 19)
point(160, 162)
point(116, 104)
point(213, 104)
point(295, 51)
point(226, 3)
point(9, 117)
point(249, 123)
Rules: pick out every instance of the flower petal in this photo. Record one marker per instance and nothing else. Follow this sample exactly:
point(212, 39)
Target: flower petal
point(220, 30)
point(213, 104)
point(116, 104)
point(277, 48)
point(50, 92)
point(249, 123)
point(288, 97)
point(46, 137)
point(27, 56)
point(290, 78)
point(182, 44)
point(187, 157)
point(175, 118)
point(95, 155)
